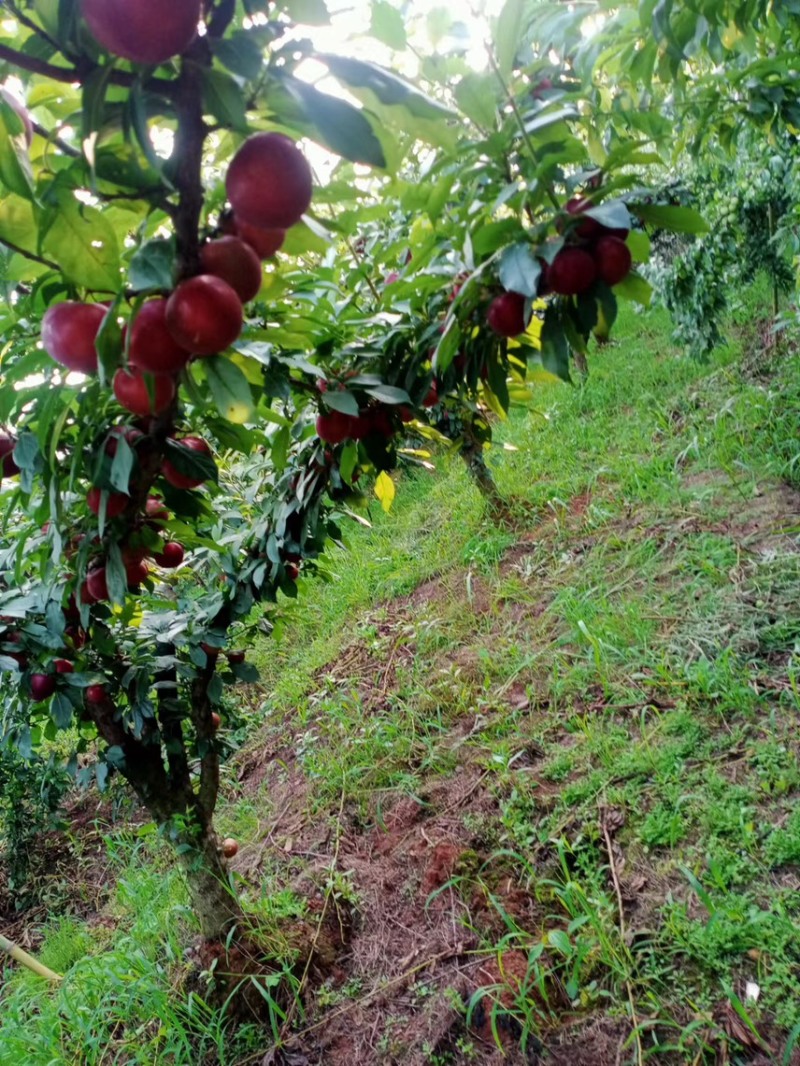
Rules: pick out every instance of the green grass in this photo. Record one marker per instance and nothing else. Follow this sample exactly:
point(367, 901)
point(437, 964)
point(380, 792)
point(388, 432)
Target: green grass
point(632, 646)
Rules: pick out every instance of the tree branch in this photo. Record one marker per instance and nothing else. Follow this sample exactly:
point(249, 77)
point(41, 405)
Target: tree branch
point(187, 157)
point(53, 138)
point(79, 73)
point(30, 255)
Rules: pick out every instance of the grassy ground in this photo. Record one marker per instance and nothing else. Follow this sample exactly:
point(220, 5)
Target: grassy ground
point(531, 788)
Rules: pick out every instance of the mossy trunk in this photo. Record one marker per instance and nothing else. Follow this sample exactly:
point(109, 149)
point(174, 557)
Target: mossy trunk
point(214, 900)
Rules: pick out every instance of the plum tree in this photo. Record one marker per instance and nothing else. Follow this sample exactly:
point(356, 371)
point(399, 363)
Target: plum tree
point(130, 270)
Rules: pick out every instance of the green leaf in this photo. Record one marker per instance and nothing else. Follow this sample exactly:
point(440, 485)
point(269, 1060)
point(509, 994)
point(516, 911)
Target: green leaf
point(387, 87)
point(15, 166)
point(116, 578)
point(676, 219)
point(61, 711)
point(348, 461)
point(387, 25)
point(635, 288)
point(507, 35)
point(80, 239)
point(447, 347)
point(17, 223)
point(109, 342)
point(339, 125)
point(240, 53)
point(122, 465)
point(224, 99)
point(191, 463)
point(230, 389)
point(476, 96)
point(520, 270)
point(309, 12)
point(341, 400)
point(280, 448)
point(493, 235)
point(152, 265)
point(639, 244)
point(554, 352)
point(614, 215)
point(247, 672)
point(388, 394)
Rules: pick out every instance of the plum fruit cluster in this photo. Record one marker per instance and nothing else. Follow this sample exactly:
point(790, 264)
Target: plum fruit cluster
point(269, 187)
point(591, 252)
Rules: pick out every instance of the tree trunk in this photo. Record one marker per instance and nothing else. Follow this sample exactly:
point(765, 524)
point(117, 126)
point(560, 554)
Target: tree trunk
point(213, 898)
point(472, 453)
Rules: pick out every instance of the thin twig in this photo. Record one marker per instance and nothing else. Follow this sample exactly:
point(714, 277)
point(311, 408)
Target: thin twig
point(53, 138)
point(365, 273)
point(622, 931)
point(29, 255)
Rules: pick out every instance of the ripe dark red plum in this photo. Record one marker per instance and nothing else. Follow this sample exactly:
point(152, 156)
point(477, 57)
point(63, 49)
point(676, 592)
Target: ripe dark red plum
point(432, 396)
point(136, 571)
point(152, 347)
point(130, 389)
point(7, 445)
point(64, 666)
point(269, 182)
point(156, 511)
point(174, 476)
point(236, 657)
point(613, 259)
point(96, 694)
point(69, 332)
point(42, 686)
point(216, 721)
point(506, 314)
point(146, 31)
point(572, 271)
point(204, 315)
point(334, 427)
point(587, 227)
point(22, 112)
point(96, 584)
point(292, 571)
point(231, 259)
point(171, 556)
point(116, 502)
point(264, 242)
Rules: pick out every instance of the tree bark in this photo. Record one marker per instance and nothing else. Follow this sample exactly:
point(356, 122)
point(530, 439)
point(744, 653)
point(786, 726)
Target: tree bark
point(213, 899)
point(472, 454)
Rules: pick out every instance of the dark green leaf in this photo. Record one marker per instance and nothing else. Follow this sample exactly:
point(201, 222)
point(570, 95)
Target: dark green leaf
point(240, 53)
point(341, 400)
point(61, 710)
point(340, 125)
point(191, 463)
point(388, 87)
point(555, 349)
point(245, 672)
point(388, 394)
point(224, 98)
point(116, 578)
